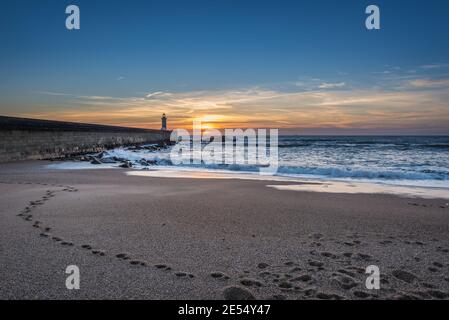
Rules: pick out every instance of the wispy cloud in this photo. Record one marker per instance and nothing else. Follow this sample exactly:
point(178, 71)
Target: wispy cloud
point(397, 99)
point(255, 107)
point(429, 83)
point(328, 85)
point(435, 66)
point(49, 93)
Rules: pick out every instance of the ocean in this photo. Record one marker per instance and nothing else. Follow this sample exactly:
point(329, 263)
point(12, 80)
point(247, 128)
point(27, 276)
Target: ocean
point(400, 160)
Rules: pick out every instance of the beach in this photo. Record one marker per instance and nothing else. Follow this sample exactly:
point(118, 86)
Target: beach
point(137, 237)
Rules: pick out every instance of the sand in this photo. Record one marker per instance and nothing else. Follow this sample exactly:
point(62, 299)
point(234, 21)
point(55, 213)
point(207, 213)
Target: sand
point(161, 238)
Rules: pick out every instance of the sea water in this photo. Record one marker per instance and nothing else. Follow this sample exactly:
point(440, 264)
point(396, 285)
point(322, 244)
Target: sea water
point(414, 161)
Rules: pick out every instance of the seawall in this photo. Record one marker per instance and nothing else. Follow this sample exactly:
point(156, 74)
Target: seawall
point(31, 139)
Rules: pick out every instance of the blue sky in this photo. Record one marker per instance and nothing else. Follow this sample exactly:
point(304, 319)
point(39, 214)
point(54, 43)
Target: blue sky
point(240, 61)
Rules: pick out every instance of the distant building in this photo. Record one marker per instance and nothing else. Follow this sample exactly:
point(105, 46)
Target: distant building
point(164, 122)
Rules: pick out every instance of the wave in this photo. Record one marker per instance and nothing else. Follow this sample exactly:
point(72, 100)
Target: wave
point(438, 145)
point(391, 163)
point(361, 174)
point(330, 172)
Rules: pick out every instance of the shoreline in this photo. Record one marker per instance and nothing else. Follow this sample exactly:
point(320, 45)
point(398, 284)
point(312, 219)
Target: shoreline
point(193, 238)
point(310, 184)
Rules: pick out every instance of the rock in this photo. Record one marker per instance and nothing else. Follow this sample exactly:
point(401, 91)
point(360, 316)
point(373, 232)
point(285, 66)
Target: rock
point(404, 276)
point(126, 165)
point(95, 161)
point(108, 160)
point(143, 162)
point(237, 293)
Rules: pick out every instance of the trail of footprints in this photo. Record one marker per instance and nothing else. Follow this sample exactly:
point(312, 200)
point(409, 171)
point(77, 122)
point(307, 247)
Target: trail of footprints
point(330, 275)
point(45, 231)
point(303, 280)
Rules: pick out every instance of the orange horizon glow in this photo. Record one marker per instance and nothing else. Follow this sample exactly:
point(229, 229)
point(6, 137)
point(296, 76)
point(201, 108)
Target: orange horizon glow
point(257, 108)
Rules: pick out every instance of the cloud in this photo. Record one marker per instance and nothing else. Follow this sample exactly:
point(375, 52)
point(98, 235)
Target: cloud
point(382, 72)
point(120, 78)
point(157, 94)
point(429, 83)
point(328, 85)
point(435, 66)
point(264, 108)
point(49, 93)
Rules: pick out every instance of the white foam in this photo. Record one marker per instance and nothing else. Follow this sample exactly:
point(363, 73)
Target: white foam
point(75, 165)
point(301, 184)
point(368, 188)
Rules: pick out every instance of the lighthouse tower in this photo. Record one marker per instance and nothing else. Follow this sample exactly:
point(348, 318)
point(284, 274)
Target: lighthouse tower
point(164, 122)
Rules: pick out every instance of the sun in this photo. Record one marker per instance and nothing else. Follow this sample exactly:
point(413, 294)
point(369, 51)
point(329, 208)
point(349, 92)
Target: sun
point(209, 122)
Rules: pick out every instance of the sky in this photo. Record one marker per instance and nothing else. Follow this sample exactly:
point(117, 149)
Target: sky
point(305, 67)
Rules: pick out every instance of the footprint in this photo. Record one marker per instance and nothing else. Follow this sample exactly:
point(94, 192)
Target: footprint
point(285, 285)
point(315, 263)
point(123, 256)
point(303, 278)
point(328, 296)
point(316, 236)
point(162, 267)
point(328, 255)
point(237, 293)
point(364, 256)
point(248, 282)
point(345, 282)
point(404, 275)
point(360, 294)
point(137, 263)
point(219, 275)
point(99, 252)
point(86, 246)
point(346, 272)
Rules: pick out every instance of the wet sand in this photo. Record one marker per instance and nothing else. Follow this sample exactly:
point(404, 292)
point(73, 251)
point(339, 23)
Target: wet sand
point(162, 238)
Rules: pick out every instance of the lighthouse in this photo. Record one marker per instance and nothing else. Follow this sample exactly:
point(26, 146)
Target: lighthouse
point(164, 122)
